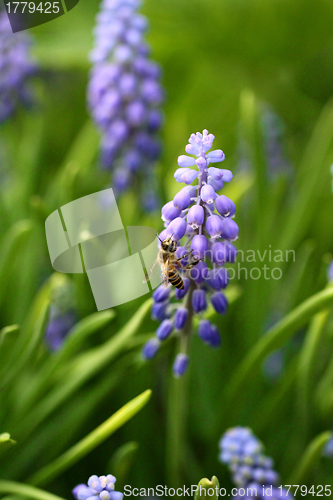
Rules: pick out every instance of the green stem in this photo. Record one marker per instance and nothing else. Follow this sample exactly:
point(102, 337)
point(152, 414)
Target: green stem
point(90, 442)
point(310, 458)
point(177, 407)
point(275, 338)
point(26, 491)
point(306, 367)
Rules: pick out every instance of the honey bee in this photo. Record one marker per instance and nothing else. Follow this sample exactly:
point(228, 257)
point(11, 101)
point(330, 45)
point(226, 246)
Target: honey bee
point(169, 262)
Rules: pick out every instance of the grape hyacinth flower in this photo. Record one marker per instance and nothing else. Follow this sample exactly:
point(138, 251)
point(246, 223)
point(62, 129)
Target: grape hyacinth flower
point(16, 68)
point(124, 97)
point(243, 453)
point(330, 272)
point(201, 221)
point(98, 488)
point(62, 314)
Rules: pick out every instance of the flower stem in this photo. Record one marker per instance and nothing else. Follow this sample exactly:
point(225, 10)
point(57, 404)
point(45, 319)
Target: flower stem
point(177, 407)
point(26, 491)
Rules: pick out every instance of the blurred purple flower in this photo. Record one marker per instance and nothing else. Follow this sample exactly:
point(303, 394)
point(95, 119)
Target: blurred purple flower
point(124, 97)
point(16, 68)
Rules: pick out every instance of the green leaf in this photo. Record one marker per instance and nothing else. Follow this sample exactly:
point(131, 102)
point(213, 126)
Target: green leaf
point(6, 441)
point(311, 457)
point(208, 489)
point(26, 491)
point(13, 244)
point(122, 461)
point(86, 445)
point(275, 338)
point(85, 366)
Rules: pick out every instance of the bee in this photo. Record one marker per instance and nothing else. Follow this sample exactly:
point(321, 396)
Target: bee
point(169, 263)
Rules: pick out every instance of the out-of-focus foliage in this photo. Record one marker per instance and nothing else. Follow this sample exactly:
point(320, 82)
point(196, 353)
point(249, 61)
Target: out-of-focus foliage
point(223, 60)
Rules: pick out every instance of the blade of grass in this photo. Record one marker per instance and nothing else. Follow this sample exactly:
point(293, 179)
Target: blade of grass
point(86, 445)
point(26, 491)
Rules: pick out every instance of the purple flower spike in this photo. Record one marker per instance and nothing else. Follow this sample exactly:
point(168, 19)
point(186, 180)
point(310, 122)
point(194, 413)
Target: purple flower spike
point(180, 318)
point(202, 220)
point(196, 216)
point(230, 230)
point(330, 272)
point(99, 488)
point(208, 194)
point(125, 95)
point(225, 206)
point(214, 226)
point(177, 228)
point(170, 212)
point(150, 349)
point(219, 302)
point(199, 246)
point(243, 453)
point(16, 69)
point(199, 302)
point(180, 365)
point(182, 199)
point(164, 330)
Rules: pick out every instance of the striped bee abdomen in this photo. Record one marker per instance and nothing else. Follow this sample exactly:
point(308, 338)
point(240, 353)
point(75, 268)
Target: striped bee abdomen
point(175, 279)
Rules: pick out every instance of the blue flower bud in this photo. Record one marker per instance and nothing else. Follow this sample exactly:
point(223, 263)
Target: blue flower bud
point(104, 495)
point(180, 318)
point(219, 253)
point(180, 294)
point(199, 272)
point(231, 252)
point(216, 173)
point(225, 206)
point(150, 349)
point(189, 176)
point(181, 251)
point(164, 330)
point(177, 228)
point(216, 185)
point(135, 114)
point(82, 492)
point(227, 175)
point(186, 161)
point(199, 302)
point(178, 175)
point(219, 302)
point(216, 156)
point(214, 226)
point(214, 338)
point(218, 278)
point(116, 495)
point(170, 212)
point(180, 365)
point(159, 310)
point(208, 194)
point(182, 199)
point(196, 216)
point(204, 330)
point(229, 229)
point(199, 246)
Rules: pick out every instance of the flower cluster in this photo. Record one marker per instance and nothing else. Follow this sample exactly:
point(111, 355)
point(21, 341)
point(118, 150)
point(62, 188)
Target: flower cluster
point(205, 220)
point(62, 315)
point(16, 68)
point(125, 96)
point(99, 488)
point(250, 468)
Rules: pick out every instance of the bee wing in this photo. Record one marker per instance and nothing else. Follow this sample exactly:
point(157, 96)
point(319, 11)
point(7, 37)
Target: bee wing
point(165, 274)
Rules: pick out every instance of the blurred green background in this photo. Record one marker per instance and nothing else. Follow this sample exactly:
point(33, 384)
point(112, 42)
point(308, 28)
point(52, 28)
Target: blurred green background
point(223, 62)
